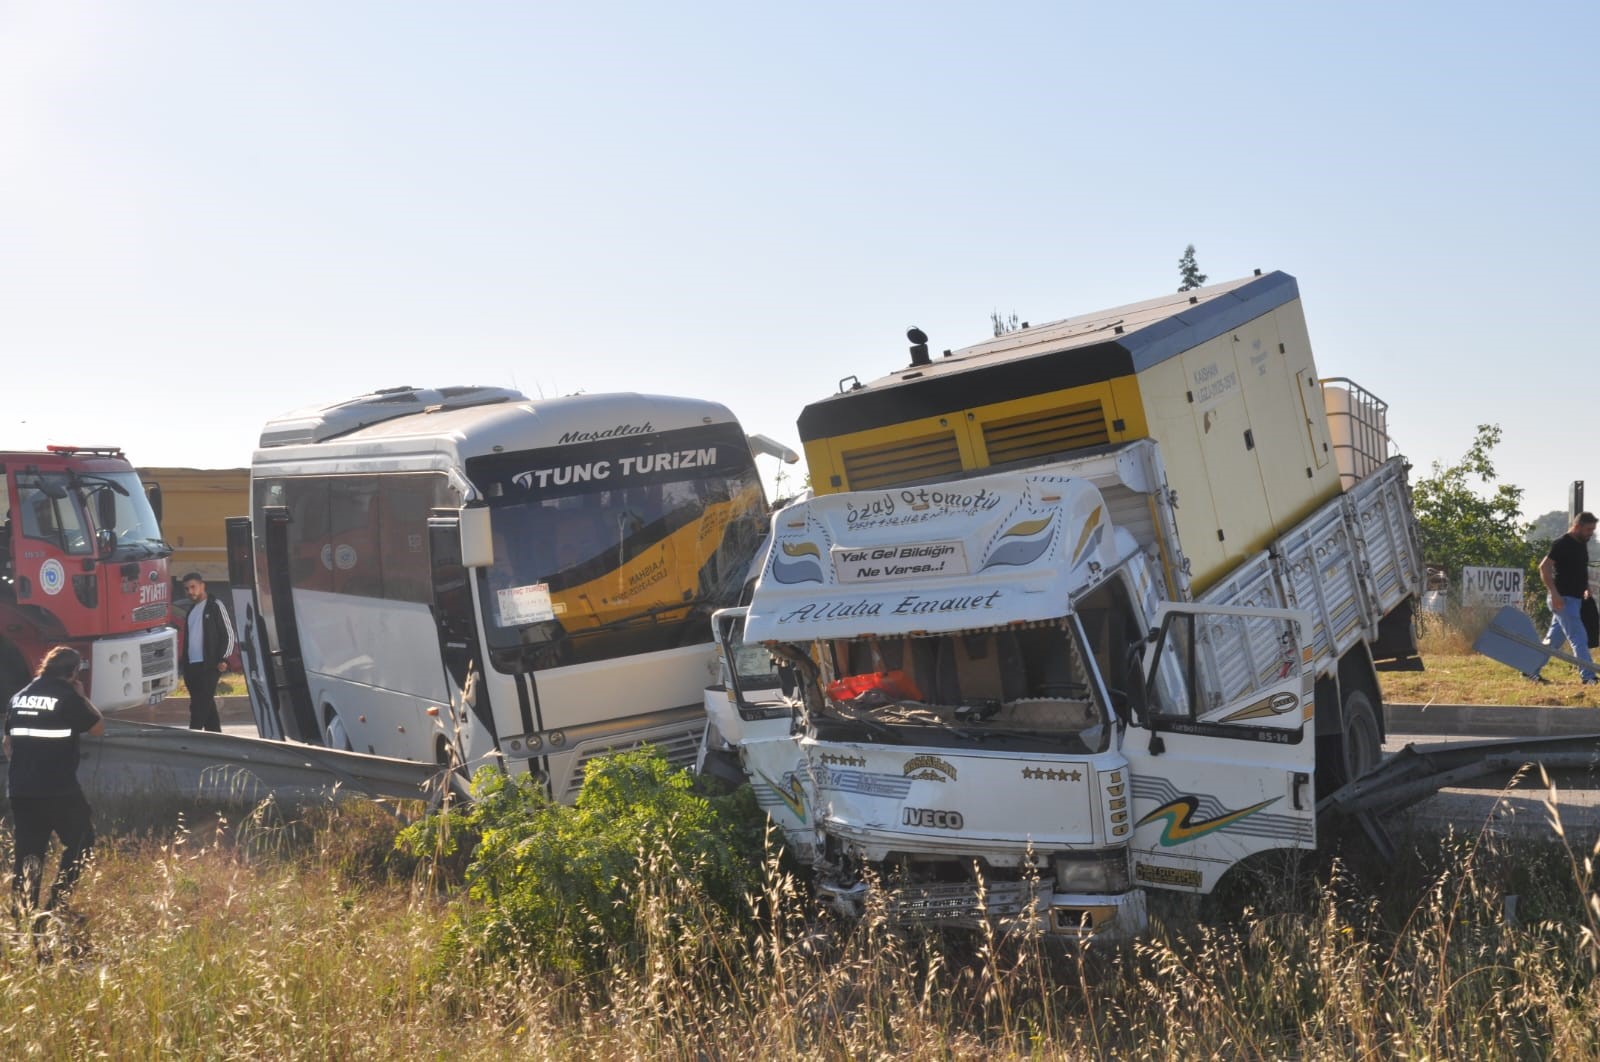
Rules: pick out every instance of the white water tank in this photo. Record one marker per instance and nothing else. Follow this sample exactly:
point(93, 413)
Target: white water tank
point(1358, 428)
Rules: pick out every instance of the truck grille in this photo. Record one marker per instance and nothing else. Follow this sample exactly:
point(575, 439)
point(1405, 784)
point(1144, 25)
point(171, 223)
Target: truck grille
point(157, 657)
point(960, 902)
point(902, 461)
point(149, 612)
point(680, 750)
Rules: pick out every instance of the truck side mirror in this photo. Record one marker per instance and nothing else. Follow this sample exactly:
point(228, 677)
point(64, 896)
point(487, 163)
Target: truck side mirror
point(152, 491)
point(105, 520)
point(477, 541)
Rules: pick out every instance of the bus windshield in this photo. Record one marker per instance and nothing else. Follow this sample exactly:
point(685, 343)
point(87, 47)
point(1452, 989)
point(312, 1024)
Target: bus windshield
point(616, 547)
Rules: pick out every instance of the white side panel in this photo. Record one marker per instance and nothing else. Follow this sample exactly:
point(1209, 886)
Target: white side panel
point(617, 704)
point(627, 686)
point(1388, 531)
point(391, 645)
point(376, 664)
point(1347, 564)
point(1321, 575)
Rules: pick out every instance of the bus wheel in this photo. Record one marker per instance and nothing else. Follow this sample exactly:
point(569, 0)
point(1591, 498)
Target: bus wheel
point(337, 736)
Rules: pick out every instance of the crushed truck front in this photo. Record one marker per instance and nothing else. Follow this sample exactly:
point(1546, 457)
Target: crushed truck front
point(957, 714)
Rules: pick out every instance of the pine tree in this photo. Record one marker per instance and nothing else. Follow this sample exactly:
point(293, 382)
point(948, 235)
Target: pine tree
point(1189, 270)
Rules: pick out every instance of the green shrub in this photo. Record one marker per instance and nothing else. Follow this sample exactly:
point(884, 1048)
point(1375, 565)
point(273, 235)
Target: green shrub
point(565, 887)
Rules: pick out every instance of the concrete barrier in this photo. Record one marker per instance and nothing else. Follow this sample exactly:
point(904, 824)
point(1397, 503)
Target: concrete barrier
point(1490, 720)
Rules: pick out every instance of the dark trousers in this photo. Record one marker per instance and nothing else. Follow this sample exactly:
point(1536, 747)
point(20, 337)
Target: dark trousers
point(202, 682)
point(36, 819)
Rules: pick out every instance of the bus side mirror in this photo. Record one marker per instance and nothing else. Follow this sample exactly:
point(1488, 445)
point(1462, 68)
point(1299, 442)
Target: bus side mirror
point(477, 542)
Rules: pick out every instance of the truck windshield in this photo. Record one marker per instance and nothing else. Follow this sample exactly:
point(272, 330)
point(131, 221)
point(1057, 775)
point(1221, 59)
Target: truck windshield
point(1015, 687)
point(134, 530)
point(618, 547)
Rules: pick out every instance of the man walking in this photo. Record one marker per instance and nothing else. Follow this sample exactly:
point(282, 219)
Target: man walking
point(208, 642)
point(1565, 572)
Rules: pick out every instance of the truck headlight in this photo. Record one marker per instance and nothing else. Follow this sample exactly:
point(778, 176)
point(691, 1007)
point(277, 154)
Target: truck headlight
point(1103, 871)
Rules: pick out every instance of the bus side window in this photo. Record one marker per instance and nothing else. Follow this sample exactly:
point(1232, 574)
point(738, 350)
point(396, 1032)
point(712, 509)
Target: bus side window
point(403, 535)
point(310, 551)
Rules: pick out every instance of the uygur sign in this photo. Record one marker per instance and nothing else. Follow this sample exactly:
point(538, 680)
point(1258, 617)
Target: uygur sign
point(1491, 586)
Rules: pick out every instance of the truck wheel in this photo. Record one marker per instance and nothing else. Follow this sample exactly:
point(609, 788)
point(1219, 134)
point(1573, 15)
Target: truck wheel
point(1361, 747)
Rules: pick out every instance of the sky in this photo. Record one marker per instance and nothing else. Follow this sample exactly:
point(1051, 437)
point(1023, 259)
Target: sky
point(211, 213)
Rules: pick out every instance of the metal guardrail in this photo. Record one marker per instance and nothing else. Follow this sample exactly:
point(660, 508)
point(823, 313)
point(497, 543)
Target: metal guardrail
point(148, 760)
point(1414, 774)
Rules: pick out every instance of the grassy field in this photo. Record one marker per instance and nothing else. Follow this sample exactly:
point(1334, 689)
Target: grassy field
point(1454, 674)
point(316, 941)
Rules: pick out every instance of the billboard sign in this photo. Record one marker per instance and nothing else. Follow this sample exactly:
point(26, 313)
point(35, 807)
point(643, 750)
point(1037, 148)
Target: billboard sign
point(1491, 586)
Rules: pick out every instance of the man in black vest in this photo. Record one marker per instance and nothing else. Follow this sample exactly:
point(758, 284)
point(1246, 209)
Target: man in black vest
point(208, 642)
point(42, 726)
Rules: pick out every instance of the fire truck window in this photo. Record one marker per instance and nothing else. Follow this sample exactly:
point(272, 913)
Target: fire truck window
point(51, 519)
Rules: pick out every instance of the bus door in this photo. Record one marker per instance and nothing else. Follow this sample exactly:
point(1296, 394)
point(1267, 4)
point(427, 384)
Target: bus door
point(253, 648)
point(460, 648)
point(290, 693)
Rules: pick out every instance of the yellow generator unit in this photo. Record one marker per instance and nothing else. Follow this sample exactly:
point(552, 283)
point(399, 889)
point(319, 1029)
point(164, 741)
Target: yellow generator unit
point(1221, 377)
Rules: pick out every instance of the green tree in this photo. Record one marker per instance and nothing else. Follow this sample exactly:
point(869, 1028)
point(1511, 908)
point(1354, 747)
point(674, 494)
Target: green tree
point(1467, 518)
point(1189, 270)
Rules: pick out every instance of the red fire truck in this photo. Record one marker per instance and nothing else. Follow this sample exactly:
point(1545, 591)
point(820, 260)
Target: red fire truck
point(84, 565)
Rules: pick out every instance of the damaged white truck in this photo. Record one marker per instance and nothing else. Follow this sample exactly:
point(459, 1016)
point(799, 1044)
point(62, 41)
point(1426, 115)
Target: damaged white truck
point(1085, 610)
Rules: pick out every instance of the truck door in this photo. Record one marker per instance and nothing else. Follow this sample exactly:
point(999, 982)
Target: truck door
point(1222, 767)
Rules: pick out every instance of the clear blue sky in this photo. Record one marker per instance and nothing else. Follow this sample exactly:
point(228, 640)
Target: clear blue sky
point(212, 213)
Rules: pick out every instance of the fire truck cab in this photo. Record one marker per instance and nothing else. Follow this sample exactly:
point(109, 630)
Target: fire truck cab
point(82, 563)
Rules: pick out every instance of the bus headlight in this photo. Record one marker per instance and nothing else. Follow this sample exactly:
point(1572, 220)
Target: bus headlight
point(1104, 871)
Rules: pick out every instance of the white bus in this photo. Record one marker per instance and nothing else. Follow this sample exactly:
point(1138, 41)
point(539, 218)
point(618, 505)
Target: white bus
point(467, 576)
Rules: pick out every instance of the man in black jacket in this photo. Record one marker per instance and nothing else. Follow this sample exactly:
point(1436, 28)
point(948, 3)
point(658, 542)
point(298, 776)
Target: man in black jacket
point(208, 642)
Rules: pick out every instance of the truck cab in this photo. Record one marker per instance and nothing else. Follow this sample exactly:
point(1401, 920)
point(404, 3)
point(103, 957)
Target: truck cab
point(993, 712)
point(84, 565)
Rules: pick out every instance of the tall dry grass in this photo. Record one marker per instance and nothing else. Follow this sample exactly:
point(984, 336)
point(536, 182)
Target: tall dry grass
point(307, 938)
